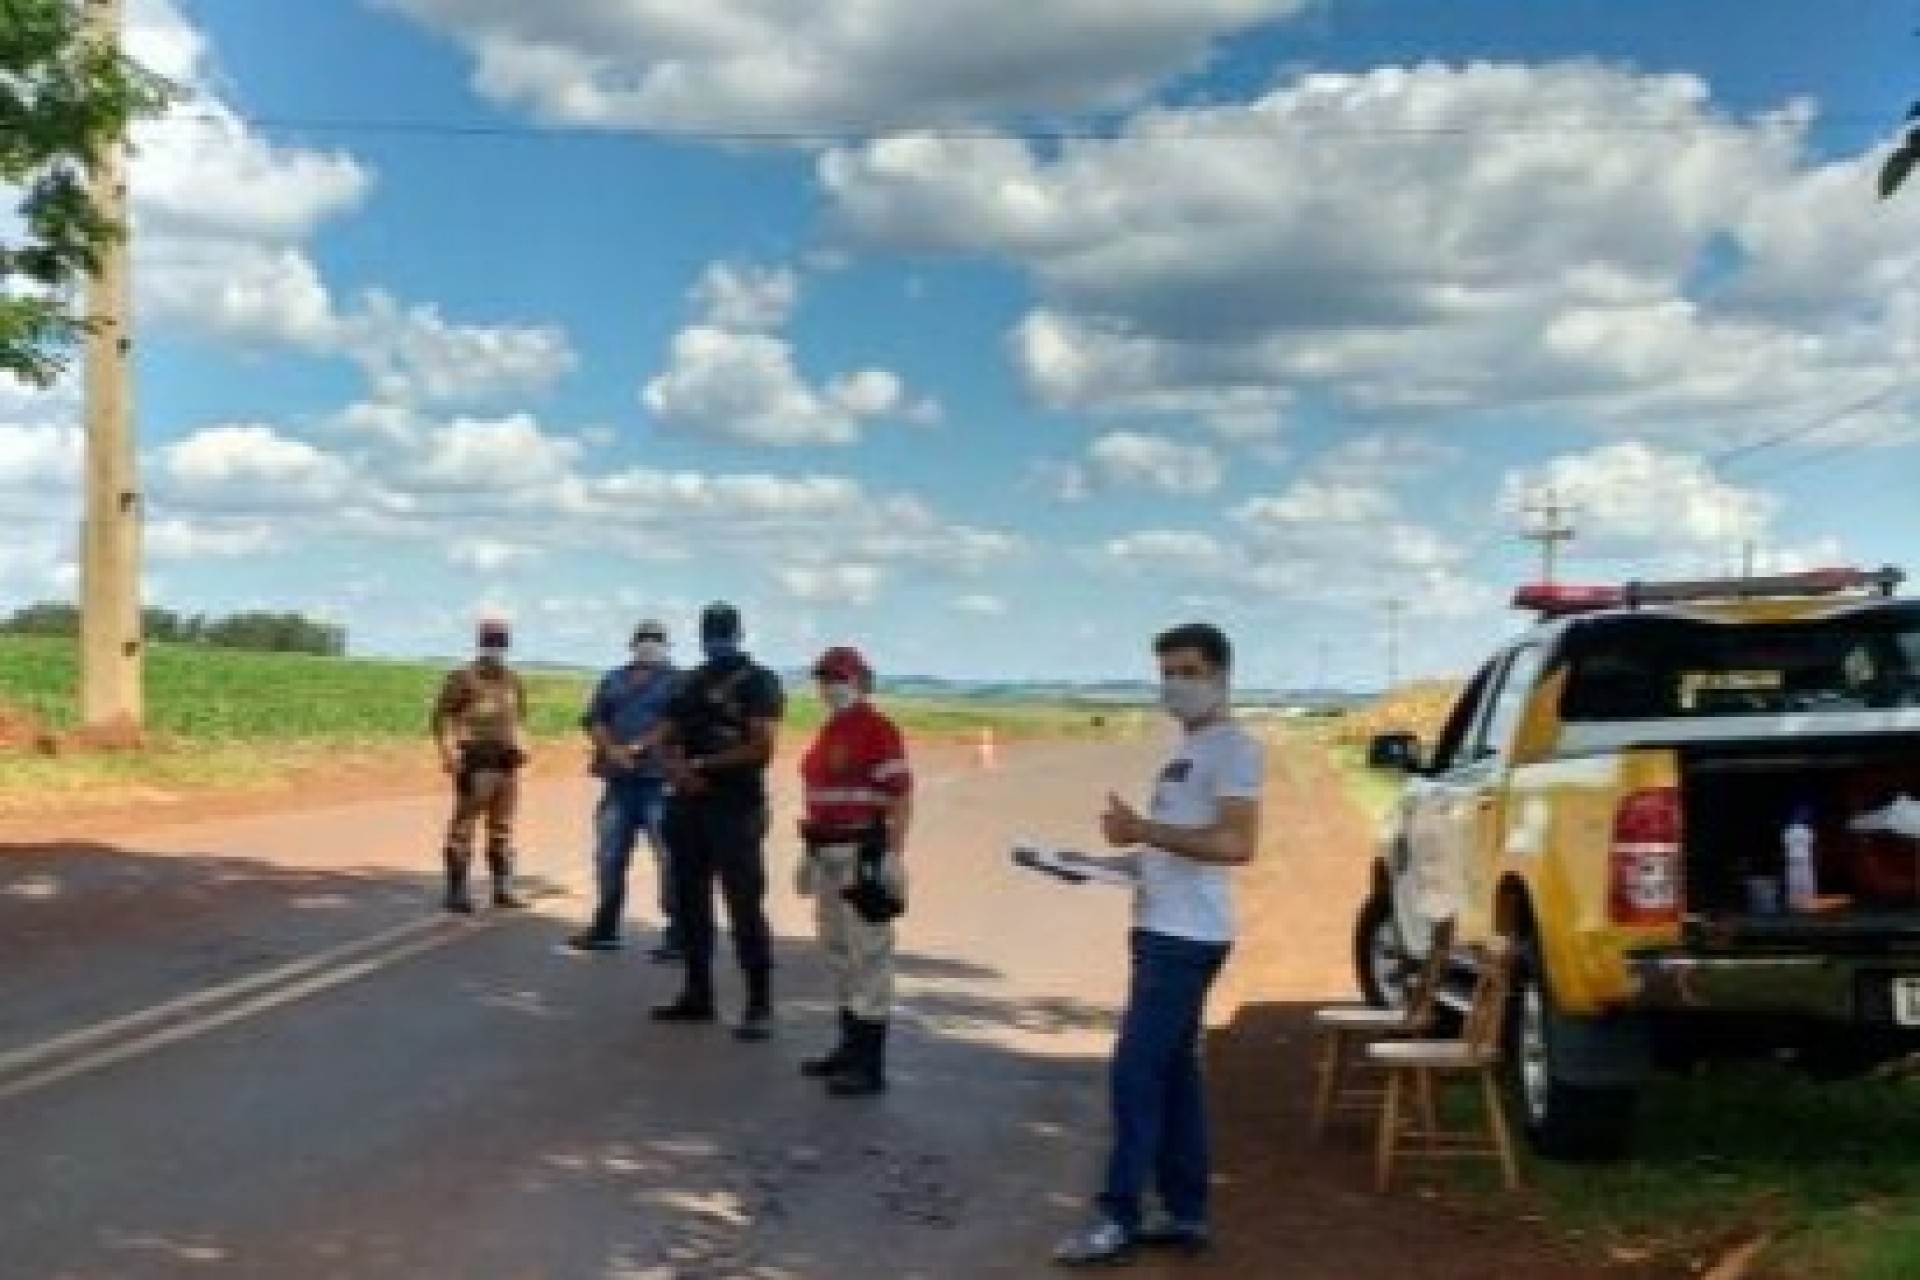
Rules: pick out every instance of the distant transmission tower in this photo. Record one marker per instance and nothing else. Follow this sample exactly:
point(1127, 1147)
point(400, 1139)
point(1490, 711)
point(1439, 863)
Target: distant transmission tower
point(1553, 529)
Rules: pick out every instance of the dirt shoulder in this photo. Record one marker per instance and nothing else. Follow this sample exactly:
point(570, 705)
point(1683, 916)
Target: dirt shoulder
point(1290, 1208)
point(304, 777)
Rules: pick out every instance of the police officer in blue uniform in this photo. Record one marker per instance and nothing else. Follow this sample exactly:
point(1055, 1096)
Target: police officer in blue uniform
point(716, 741)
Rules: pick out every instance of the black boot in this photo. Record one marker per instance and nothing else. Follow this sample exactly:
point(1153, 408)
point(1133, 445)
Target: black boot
point(867, 1075)
point(838, 1059)
point(695, 1002)
point(500, 863)
point(756, 1022)
point(458, 899)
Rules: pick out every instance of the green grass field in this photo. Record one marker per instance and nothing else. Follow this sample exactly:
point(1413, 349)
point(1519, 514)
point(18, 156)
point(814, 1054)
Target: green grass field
point(1829, 1173)
point(215, 695)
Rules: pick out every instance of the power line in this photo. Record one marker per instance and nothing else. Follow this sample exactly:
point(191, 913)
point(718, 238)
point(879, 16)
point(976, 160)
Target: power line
point(394, 126)
point(1809, 428)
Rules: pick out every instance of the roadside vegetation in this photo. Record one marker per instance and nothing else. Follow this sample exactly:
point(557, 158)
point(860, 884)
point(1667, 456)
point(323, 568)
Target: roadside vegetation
point(230, 717)
point(1752, 1167)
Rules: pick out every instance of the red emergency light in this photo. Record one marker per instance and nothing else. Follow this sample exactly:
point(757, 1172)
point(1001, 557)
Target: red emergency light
point(1558, 600)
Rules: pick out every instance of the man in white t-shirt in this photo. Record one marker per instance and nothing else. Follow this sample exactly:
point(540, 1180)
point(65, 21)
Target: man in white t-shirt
point(1204, 821)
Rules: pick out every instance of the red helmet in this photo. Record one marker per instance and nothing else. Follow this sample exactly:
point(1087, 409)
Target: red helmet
point(843, 662)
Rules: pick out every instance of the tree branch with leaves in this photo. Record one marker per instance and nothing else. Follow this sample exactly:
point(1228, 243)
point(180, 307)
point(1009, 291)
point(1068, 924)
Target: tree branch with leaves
point(65, 96)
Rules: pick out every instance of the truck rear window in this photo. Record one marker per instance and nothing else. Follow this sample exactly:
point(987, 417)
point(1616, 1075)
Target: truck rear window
point(1661, 666)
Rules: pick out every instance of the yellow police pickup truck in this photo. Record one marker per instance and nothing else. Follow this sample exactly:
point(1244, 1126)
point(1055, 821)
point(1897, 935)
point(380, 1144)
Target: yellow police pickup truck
point(1694, 808)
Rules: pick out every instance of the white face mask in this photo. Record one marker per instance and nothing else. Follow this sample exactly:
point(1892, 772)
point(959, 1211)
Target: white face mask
point(839, 694)
point(650, 653)
point(1188, 699)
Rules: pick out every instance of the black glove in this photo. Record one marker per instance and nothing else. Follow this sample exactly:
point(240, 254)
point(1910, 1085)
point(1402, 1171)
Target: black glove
point(870, 894)
point(872, 900)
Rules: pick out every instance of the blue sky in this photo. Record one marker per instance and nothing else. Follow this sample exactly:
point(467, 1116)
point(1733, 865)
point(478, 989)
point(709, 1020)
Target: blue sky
point(995, 337)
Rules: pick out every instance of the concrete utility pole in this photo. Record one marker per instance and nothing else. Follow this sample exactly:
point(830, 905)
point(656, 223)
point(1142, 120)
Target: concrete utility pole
point(111, 691)
point(1552, 531)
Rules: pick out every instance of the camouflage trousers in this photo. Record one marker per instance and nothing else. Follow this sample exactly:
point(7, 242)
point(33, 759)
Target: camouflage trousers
point(491, 796)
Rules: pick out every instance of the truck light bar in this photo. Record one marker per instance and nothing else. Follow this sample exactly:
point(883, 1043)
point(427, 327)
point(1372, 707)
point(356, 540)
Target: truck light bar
point(1813, 582)
point(1553, 600)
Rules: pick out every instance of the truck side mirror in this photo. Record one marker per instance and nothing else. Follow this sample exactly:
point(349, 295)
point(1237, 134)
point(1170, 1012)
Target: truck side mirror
point(1398, 751)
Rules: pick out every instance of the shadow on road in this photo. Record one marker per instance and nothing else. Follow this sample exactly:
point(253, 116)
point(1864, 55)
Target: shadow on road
point(89, 930)
point(424, 1121)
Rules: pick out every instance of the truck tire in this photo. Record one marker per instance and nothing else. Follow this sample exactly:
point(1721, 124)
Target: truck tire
point(1380, 954)
point(1562, 1121)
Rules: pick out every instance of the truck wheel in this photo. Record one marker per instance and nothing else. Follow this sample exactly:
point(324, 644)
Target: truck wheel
point(1563, 1121)
point(1380, 954)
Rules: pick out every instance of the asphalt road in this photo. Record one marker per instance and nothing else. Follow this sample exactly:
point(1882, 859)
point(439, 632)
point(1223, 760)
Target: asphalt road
point(253, 1049)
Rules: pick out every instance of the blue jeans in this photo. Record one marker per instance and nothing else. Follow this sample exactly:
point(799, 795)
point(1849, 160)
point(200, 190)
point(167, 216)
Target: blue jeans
point(1159, 1107)
point(629, 808)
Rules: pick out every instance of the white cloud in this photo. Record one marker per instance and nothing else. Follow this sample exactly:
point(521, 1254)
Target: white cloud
point(58, 402)
point(756, 65)
point(1336, 536)
point(852, 584)
point(222, 215)
point(1374, 240)
point(236, 291)
point(490, 555)
point(1175, 548)
point(36, 568)
point(1314, 502)
point(176, 539)
point(1634, 492)
point(745, 298)
point(1060, 481)
point(746, 387)
point(982, 606)
point(253, 465)
point(494, 494)
point(40, 456)
point(501, 456)
point(1126, 459)
point(412, 354)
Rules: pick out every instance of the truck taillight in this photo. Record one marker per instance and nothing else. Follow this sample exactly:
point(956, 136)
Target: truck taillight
point(1647, 867)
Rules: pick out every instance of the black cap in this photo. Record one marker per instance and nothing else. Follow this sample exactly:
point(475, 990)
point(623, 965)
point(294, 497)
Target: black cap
point(719, 621)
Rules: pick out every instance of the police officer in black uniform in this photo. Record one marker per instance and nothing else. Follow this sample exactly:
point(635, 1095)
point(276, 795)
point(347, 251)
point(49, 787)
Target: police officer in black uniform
point(717, 739)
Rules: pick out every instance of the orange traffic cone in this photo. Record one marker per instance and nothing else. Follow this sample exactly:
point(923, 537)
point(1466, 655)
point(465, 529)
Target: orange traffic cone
point(984, 752)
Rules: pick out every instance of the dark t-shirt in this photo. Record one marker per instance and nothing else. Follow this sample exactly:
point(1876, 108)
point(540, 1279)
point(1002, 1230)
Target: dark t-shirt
point(714, 710)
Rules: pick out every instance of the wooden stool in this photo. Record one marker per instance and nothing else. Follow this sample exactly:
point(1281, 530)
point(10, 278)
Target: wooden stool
point(1341, 1028)
point(1417, 1064)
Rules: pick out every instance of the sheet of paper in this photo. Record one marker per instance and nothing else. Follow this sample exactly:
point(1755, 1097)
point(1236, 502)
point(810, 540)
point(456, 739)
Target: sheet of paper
point(1073, 867)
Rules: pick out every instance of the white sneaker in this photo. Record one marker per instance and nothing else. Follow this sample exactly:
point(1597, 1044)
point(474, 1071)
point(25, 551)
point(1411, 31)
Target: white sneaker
point(1104, 1243)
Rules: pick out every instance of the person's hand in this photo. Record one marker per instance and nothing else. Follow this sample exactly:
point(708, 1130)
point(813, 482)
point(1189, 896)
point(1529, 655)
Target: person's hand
point(684, 778)
point(1121, 823)
point(621, 756)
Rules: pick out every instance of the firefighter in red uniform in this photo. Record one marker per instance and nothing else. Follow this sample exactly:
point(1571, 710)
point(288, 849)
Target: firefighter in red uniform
point(857, 793)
